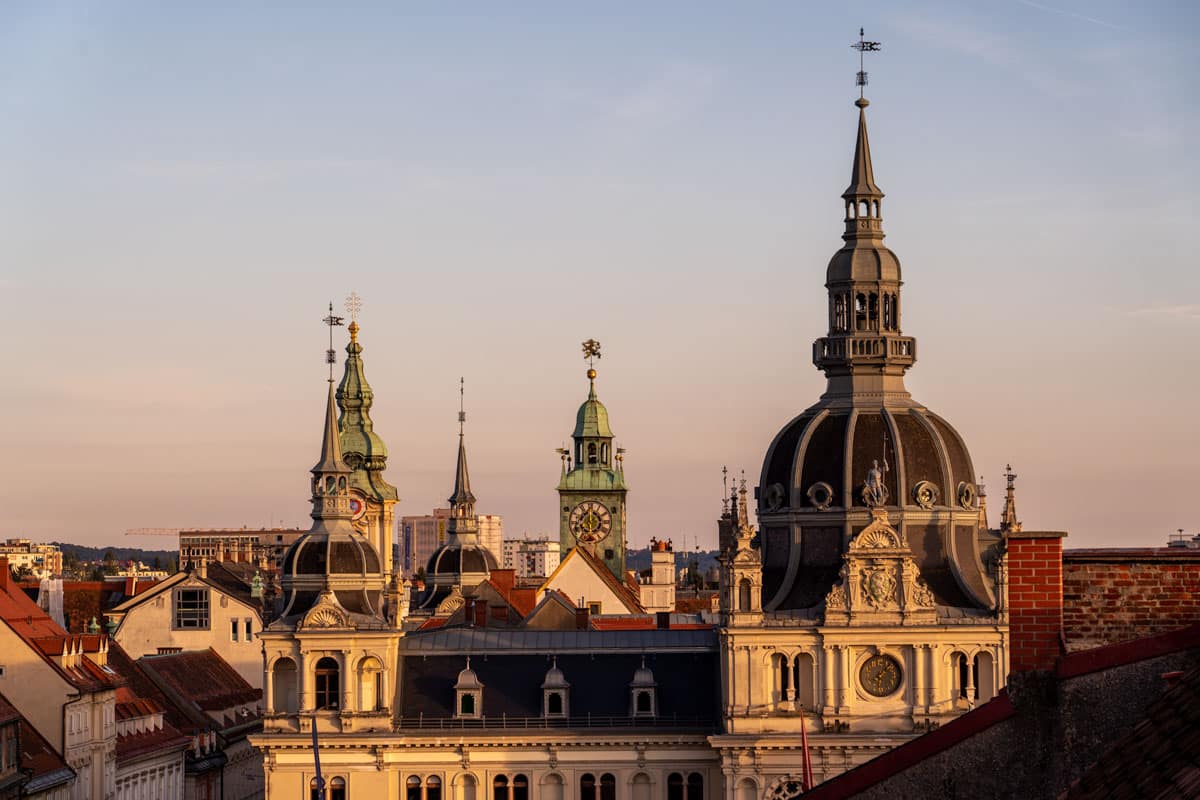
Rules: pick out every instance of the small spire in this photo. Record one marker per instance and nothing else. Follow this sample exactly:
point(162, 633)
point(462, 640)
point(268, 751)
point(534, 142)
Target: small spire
point(331, 446)
point(862, 174)
point(462, 500)
point(1008, 518)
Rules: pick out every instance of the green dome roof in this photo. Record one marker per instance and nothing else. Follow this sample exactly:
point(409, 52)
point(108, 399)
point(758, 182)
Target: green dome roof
point(592, 419)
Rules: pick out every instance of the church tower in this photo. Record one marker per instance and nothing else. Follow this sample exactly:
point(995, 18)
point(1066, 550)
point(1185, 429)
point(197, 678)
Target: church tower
point(592, 489)
point(372, 499)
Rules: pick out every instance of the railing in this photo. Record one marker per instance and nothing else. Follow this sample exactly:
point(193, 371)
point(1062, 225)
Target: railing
point(853, 348)
point(588, 721)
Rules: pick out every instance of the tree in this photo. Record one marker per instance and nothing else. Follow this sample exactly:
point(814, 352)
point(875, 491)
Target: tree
point(109, 563)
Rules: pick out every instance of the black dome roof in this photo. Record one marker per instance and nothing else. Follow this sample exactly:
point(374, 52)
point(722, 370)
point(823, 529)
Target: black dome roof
point(331, 555)
point(454, 558)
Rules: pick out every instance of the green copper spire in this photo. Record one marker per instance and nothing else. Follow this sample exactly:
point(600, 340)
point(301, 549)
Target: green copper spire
point(365, 452)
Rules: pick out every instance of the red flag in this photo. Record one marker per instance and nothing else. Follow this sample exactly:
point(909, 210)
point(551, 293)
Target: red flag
point(806, 777)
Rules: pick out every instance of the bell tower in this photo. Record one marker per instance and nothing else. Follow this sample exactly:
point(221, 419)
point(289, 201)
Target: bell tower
point(592, 489)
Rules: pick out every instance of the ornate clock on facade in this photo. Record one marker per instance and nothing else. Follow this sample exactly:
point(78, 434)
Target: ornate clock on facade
point(590, 522)
point(880, 675)
point(358, 505)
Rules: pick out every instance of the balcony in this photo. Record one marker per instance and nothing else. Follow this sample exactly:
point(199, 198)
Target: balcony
point(857, 349)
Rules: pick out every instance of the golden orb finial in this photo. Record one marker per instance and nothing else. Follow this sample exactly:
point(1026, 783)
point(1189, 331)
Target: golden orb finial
point(591, 373)
point(353, 331)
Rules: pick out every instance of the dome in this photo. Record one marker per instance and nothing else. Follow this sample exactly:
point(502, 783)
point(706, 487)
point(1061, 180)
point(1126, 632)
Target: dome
point(456, 558)
point(643, 677)
point(555, 679)
point(345, 554)
point(592, 419)
point(467, 679)
point(811, 489)
point(863, 264)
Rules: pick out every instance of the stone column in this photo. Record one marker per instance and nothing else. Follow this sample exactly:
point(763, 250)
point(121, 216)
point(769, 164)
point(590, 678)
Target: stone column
point(348, 703)
point(269, 688)
point(307, 682)
point(919, 690)
point(970, 680)
point(827, 655)
point(847, 694)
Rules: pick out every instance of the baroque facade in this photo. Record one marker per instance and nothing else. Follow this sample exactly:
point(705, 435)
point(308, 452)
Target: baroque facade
point(868, 606)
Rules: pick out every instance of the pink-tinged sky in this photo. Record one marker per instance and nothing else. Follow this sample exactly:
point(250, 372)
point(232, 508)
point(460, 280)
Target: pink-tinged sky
point(184, 188)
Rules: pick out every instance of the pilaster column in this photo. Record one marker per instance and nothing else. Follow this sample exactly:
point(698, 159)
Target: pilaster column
point(348, 703)
point(919, 690)
point(938, 690)
point(827, 656)
point(847, 693)
point(971, 698)
point(308, 689)
point(269, 688)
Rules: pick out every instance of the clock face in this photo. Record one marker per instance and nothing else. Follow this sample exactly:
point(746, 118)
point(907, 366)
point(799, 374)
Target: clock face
point(590, 521)
point(880, 675)
point(358, 505)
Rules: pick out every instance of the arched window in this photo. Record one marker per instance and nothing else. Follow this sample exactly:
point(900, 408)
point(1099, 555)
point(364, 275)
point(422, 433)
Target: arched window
point(433, 788)
point(744, 594)
point(412, 788)
point(370, 684)
point(695, 786)
point(747, 789)
point(643, 703)
point(592, 453)
point(315, 792)
point(465, 787)
point(887, 312)
point(641, 787)
point(552, 787)
point(520, 788)
point(873, 311)
point(783, 674)
point(500, 787)
point(860, 312)
point(985, 676)
point(283, 686)
point(587, 786)
point(803, 681)
point(337, 789)
point(604, 454)
point(326, 683)
point(675, 786)
point(608, 787)
point(554, 704)
point(466, 705)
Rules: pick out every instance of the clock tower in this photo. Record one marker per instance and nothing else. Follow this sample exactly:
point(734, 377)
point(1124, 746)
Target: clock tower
point(592, 489)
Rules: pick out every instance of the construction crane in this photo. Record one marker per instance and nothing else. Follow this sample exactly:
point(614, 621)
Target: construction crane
point(177, 531)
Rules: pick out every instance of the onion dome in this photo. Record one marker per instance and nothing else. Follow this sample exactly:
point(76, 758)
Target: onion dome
point(867, 429)
point(555, 678)
point(332, 558)
point(467, 679)
point(363, 449)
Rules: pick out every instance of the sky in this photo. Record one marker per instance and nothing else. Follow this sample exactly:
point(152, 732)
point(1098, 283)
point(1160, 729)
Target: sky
point(185, 187)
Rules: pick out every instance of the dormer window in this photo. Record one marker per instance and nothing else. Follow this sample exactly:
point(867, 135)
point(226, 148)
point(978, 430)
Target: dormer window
point(555, 693)
point(643, 693)
point(468, 694)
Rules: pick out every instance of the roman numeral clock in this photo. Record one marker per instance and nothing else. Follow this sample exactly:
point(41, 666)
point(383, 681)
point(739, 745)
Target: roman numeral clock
point(592, 489)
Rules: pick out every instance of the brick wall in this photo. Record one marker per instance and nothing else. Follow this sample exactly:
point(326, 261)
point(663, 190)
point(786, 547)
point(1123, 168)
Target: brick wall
point(1114, 595)
point(1035, 608)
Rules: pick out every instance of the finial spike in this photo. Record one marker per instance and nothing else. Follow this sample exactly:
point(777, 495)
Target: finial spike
point(863, 46)
point(462, 412)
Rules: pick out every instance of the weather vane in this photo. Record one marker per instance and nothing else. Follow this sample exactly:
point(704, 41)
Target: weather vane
point(353, 306)
point(591, 351)
point(863, 46)
point(462, 411)
point(330, 354)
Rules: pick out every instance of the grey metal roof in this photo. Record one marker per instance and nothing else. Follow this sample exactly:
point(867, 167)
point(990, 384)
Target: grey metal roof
point(477, 640)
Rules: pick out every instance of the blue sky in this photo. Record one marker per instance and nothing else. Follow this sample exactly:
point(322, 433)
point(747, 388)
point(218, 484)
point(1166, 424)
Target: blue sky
point(184, 188)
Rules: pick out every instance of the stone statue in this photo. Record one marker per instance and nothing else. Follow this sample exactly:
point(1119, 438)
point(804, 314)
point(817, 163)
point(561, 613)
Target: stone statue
point(874, 492)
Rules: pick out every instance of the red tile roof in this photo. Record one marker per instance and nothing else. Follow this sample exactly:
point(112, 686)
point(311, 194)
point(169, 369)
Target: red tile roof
point(642, 623)
point(204, 678)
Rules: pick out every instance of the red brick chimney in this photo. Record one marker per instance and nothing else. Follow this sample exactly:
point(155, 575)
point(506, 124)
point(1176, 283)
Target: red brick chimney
point(1035, 599)
point(581, 619)
point(4, 574)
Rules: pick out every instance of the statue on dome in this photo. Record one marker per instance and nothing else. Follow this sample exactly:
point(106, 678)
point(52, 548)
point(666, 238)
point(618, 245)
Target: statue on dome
point(874, 491)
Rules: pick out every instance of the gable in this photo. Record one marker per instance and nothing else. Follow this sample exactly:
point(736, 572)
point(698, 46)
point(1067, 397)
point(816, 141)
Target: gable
point(577, 577)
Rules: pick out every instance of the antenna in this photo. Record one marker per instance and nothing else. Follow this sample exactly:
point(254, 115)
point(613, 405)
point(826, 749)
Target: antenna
point(330, 354)
point(863, 46)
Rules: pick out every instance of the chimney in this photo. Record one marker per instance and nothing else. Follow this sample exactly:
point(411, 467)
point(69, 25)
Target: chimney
point(1035, 599)
point(4, 574)
point(469, 610)
point(581, 619)
point(662, 620)
point(480, 614)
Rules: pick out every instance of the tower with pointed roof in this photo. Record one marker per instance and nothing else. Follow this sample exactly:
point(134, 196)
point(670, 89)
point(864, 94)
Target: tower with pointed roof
point(592, 490)
point(372, 498)
point(462, 563)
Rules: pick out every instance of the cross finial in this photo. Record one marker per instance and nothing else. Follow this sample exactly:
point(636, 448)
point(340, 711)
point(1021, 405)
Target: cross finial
point(863, 46)
point(353, 305)
point(330, 354)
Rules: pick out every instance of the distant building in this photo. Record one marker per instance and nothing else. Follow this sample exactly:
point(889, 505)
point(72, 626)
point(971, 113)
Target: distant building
point(240, 546)
point(531, 558)
point(137, 569)
point(419, 537)
point(43, 560)
point(491, 533)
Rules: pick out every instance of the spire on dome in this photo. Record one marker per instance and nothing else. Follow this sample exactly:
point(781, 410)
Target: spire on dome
point(862, 175)
point(462, 499)
point(365, 451)
point(331, 445)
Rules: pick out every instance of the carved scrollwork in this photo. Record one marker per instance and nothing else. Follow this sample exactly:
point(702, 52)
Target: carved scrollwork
point(836, 599)
point(324, 616)
point(966, 495)
point(922, 597)
point(925, 494)
point(820, 494)
point(785, 788)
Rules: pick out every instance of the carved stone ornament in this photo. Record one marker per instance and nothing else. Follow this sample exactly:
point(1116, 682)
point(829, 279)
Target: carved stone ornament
point(966, 495)
point(785, 788)
point(921, 595)
point(820, 494)
point(774, 496)
point(877, 537)
point(925, 494)
point(325, 616)
point(879, 587)
point(836, 599)
point(453, 602)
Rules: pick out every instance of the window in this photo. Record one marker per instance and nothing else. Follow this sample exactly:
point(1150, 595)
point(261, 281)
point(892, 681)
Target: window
point(744, 595)
point(675, 786)
point(466, 708)
point(592, 453)
point(337, 789)
point(191, 609)
point(433, 788)
point(587, 787)
point(233, 630)
point(283, 686)
point(327, 683)
point(695, 786)
point(315, 790)
point(643, 702)
point(594, 609)
point(500, 787)
point(608, 787)
point(520, 788)
point(412, 788)
point(554, 704)
point(249, 628)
